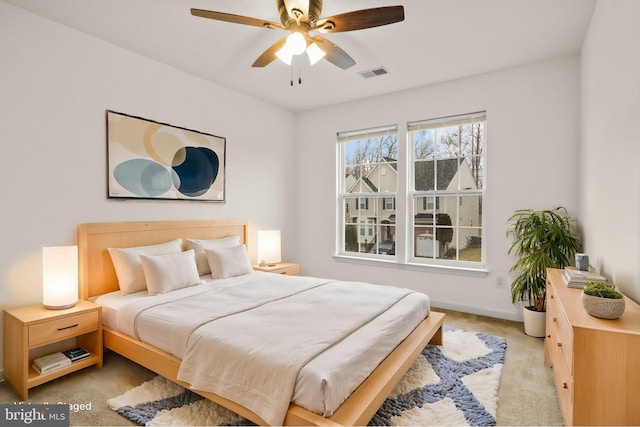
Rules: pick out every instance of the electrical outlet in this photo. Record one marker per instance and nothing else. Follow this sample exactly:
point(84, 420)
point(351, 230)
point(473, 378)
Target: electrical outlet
point(500, 282)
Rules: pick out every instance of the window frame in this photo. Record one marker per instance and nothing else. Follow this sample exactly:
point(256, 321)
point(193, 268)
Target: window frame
point(404, 199)
point(376, 198)
point(438, 194)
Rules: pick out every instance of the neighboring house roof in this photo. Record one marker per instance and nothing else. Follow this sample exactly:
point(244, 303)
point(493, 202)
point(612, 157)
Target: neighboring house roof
point(447, 169)
point(392, 162)
point(424, 170)
point(365, 181)
point(370, 184)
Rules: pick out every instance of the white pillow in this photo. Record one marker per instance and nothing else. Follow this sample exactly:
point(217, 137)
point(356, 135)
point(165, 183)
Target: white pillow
point(165, 273)
point(229, 262)
point(200, 245)
point(126, 262)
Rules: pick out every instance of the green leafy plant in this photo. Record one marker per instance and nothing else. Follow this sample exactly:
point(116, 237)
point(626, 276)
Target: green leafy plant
point(541, 239)
point(602, 290)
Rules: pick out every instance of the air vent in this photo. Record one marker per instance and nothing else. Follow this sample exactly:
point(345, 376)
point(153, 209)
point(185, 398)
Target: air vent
point(379, 71)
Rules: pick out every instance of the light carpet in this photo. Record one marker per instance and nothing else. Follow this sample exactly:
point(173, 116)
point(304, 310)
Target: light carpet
point(453, 384)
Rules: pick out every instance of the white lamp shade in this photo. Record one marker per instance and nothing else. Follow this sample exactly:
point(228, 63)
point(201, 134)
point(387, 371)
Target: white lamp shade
point(314, 53)
point(285, 55)
point(59, 276)
point(295, 45)
point(269, 247)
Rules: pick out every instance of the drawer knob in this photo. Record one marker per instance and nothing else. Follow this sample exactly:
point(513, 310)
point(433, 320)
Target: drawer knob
point(555, 320)
point(565, 385)
point(559, 344)
point(68, 327)
point(551, 296)
point(548, 335)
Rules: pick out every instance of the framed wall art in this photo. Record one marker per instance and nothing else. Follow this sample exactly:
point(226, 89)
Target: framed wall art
point(152, 160)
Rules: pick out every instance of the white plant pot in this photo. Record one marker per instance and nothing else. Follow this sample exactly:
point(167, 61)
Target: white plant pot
point(534, 322)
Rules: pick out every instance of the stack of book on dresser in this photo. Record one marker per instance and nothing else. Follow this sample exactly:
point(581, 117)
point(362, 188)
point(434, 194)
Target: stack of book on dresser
point(578, 278)
point(54, 361)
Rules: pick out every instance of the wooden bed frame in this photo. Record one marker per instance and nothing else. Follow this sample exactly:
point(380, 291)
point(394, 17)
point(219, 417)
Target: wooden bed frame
point(97, 276)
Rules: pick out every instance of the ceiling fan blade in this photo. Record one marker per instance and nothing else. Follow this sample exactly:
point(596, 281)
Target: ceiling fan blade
point(334, 54)
point(269, 55)
point(361, 19)
point(236, 19)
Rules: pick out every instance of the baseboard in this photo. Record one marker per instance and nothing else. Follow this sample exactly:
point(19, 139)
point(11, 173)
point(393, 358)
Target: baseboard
point(506, 315)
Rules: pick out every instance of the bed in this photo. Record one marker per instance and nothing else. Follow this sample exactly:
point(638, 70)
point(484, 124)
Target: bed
point(98, 277)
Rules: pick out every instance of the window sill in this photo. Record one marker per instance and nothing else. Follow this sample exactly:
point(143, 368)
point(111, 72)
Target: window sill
point(481, 271)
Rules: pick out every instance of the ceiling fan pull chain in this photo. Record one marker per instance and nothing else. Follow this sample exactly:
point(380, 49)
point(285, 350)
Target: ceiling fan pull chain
point(291, 72)
point(299, 77)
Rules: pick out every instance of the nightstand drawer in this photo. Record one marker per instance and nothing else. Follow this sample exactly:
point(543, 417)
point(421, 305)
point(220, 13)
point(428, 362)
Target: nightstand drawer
point(292, 270)
point(289, 268)
point(59, 329)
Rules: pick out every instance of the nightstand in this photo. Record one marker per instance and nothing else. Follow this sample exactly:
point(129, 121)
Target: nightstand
point(27, 329)
point(289, 268)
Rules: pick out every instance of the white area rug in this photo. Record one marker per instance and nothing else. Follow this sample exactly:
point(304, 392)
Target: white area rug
point(456, 384)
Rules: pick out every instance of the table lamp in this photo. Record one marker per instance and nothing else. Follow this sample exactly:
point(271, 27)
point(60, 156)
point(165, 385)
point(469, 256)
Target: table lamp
point(269, 247)
point(59, 277)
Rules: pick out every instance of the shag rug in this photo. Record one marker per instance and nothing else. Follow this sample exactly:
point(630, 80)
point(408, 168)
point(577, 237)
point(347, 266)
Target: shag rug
point(456, 384)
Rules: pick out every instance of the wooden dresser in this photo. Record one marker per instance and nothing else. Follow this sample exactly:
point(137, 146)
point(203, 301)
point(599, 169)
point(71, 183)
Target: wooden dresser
point(596, 362)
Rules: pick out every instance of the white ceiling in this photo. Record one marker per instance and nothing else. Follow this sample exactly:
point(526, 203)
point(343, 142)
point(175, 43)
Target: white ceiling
point(439, 40)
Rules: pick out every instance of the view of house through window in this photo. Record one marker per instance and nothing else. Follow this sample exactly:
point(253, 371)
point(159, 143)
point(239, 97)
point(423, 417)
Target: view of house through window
point(368, 193)
point(447, 188)
point(445, 164)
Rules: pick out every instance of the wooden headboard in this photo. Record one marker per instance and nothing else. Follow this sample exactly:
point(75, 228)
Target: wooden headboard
point(96, 274)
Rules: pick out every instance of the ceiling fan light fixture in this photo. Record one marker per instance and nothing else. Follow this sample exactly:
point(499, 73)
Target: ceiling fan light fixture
point(301, 17)
point(314, 53)
point(285, 55)
point(296, 43)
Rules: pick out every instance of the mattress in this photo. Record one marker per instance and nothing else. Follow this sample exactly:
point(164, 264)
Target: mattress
point(326, 380)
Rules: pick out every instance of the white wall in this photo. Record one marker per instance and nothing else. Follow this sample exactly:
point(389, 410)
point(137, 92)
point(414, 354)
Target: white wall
point(610, 135)
point(55, 85)
point(532, 133)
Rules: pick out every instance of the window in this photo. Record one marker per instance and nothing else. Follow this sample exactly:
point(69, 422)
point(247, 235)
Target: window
point(368, 187)
point(390, 203)
point(447, 187)
point(445, 169)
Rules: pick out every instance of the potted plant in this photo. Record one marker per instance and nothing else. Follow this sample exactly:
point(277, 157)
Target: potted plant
point(541, 239)
point(602, 300)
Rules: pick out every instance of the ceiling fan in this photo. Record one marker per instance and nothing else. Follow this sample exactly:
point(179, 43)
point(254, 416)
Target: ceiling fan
point(300, 18)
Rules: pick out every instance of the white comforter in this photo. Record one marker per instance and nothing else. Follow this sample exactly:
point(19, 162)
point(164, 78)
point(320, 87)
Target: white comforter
point(247, 340)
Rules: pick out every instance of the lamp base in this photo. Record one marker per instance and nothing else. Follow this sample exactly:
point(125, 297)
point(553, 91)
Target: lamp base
point(59, 307)
point(264, 264)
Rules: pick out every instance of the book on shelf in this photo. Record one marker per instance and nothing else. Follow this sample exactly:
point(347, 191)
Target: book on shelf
point(578, 278)
point(76, 354)
point(50, 362)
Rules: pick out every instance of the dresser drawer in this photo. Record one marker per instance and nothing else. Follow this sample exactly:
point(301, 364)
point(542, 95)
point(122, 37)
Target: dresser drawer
point(59, 329)
point(559, 331)
point(564, 386)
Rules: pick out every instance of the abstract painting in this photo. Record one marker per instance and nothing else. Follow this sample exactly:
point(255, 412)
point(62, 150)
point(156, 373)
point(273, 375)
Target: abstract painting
point(152, 160)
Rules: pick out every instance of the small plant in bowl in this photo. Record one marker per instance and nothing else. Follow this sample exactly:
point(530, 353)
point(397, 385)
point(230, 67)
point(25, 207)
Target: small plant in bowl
point(602, 300)
point(602, 290)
